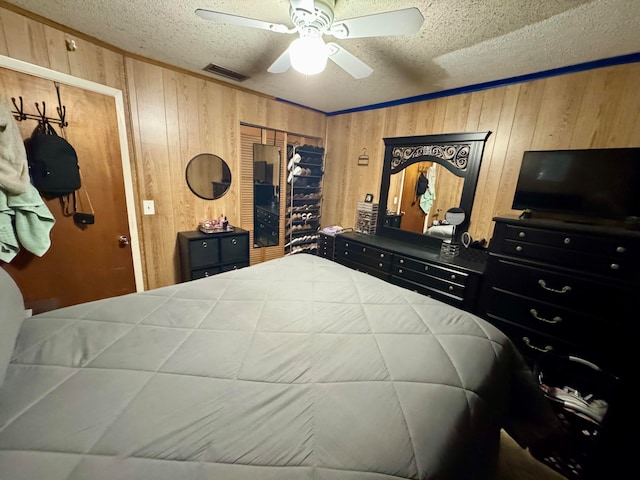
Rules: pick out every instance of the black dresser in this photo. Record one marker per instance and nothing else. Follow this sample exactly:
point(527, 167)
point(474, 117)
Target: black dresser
point(205, 254)
point(564, 292)
point(455, 281)
point(266, 224)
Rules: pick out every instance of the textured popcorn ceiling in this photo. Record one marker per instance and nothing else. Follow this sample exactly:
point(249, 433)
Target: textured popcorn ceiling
point(462, 42)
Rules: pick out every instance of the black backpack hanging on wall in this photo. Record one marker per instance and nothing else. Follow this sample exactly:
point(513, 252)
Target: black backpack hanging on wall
point(53, 162)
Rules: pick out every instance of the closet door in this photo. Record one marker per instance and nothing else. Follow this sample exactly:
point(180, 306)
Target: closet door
point(90, 262)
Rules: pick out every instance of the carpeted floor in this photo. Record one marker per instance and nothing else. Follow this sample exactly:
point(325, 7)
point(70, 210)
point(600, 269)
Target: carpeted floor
point(514, 463)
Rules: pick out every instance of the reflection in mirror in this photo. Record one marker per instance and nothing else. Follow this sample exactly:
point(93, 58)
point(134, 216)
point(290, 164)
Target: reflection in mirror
point(452, 161)
point(208, 176)
point(419, 196)
point(266, 194)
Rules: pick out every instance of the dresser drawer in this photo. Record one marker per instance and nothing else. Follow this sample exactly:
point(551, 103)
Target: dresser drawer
point(234, 266)
point(364, 255)
point(428, 291)
point(204, 252)
point(363, 250)
point(617, 248)
point(552, 320)
point(326, 241)
point(266, 231)
point(234, 248)
point(384, 275)
point(436, 283)
point(204, 272)
point(443, 273)
point(535, 345)
point(616, 267)
point(266, 217)
point(564, 290)
point(364, 259)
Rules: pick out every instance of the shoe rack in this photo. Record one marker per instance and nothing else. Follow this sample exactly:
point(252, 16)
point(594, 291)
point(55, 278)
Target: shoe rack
point(305, 165)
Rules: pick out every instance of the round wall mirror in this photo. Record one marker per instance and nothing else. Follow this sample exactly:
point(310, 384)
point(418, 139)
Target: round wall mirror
point(208, 176)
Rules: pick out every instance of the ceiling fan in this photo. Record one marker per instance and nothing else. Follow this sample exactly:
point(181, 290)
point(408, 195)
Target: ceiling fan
point(312, 19)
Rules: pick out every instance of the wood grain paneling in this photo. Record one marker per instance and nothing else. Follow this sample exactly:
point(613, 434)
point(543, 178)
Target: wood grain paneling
point(171, 117)
point(174, 115)
point(592, 109)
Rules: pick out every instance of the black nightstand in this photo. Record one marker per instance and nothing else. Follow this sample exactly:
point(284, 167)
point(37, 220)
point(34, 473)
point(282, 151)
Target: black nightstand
point(206, 254)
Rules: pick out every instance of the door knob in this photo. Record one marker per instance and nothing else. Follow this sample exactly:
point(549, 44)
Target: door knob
point(124, 240)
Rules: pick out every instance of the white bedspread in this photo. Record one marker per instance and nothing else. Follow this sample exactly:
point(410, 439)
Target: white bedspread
point(294, 368)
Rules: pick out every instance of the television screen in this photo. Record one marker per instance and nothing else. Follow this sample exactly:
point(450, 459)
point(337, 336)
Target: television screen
point(602, 183)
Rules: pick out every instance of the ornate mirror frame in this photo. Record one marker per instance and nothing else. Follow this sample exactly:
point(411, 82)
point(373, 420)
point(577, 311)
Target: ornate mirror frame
point(460, 153)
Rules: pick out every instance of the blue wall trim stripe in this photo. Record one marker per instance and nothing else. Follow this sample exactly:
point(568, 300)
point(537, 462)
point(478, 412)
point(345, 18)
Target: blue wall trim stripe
point(580, 67)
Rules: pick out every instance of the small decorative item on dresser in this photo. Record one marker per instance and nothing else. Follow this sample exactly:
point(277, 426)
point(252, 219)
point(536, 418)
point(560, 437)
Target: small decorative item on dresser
point(213, 225)
point(451, 248)
point(366, 217)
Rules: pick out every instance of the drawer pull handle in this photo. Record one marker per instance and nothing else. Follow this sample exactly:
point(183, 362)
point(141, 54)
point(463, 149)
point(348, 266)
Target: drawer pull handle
point(204, 244)
point(234, 241)
point(206, 274)
point(400, 270)
point(346, 244)
point(564, 289)
point(426, 267)
point(401, 261)
point(274, 234)
point(346, 253)
point(534, 314)
point(364, 249)
point(382, 255)
point(380, 264)
point(522, 234)
point(615, 266)
point(620, 250)
point(528, 343)
point(567, 241)
point(453, 277)
point(451, 288)
point(518, 248)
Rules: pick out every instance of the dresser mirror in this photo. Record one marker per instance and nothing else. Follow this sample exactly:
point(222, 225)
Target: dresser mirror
point(266, 194)
point(208, 176)
point(422, 178)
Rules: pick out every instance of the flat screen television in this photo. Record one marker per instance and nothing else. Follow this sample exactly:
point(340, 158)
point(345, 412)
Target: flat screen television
point(594, 183)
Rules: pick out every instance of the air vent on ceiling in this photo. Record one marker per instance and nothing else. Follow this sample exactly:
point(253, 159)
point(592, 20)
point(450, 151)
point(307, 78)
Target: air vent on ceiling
point(225, 72)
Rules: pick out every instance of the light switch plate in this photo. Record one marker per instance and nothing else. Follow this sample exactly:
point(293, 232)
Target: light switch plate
point(148, 207)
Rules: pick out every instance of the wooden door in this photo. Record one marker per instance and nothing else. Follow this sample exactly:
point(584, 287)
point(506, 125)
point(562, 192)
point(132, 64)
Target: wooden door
point(413, 216)
point(83, 263)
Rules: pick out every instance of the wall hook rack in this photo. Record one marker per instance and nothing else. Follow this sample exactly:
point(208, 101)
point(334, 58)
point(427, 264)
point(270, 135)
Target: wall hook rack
point(20, 115)
point(363, 159)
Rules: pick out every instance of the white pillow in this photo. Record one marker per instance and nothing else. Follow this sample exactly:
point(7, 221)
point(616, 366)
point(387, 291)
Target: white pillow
point(11, 316)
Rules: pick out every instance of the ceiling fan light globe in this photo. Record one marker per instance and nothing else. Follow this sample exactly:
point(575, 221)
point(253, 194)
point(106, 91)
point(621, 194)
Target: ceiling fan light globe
point(308, 55)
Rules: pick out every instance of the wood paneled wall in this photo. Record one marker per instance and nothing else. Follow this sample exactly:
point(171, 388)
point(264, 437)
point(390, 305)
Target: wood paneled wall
point(592, 109)
point(171, 117)
point(174, 115)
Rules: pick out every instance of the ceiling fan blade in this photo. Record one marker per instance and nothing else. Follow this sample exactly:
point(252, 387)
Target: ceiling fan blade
point(348, 62)
point(229, 19)
point(396, 22)
point(282, 63)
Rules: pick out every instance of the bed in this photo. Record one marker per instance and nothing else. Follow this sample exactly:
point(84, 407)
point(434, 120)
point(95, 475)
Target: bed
point(296, 368)
point(441, 231)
